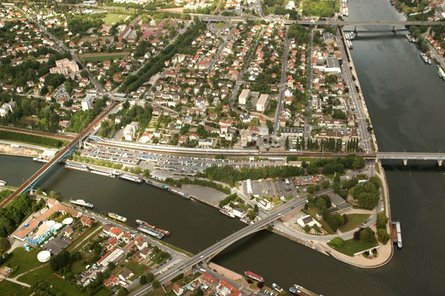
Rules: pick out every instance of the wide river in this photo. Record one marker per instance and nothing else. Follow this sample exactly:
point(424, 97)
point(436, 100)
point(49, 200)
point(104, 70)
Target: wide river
point(406, 101)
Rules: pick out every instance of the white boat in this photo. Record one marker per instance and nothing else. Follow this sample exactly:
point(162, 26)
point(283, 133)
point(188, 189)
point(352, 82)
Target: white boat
point(81, 202)
point(277, 288)
point(3, 183)
point(117, 217)
point(441, 72)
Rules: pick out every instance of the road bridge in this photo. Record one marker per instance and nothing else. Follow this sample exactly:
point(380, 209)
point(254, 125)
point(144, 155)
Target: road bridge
point(62, 154)
point(405, 156)
point(221, 245)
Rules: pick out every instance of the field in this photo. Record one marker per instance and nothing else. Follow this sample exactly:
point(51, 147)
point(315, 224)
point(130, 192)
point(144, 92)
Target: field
point(100, 57)
point(352, 246)
point(113, 18)
point(22, 261)
point(12, 289)
point(354, 221)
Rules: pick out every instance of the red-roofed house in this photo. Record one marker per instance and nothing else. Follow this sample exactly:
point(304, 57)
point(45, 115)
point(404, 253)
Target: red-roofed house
point(177, 289)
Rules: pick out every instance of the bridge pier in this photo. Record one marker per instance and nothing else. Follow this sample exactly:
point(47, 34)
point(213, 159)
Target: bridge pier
point(405, 162)
point(394, 30)
point(355, 31)
point(439, 162)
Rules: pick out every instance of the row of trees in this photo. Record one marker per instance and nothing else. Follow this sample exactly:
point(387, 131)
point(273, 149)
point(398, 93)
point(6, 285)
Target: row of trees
point(230, 175)
point(156, 64)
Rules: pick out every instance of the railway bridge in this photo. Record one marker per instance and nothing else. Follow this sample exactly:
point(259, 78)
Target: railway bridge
point(61, 155)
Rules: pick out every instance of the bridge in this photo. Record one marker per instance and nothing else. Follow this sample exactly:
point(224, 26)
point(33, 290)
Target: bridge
point(405, 156)
point(221, 245)
point(62, 154)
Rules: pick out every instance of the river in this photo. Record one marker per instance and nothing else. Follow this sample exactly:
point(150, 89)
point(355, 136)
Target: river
point(405, 100)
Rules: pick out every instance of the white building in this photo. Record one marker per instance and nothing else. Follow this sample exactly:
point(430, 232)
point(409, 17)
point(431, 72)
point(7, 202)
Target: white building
point(129, 131)
point(307, 220)
point(242, 99)
point(261, 105)
point(87, 102)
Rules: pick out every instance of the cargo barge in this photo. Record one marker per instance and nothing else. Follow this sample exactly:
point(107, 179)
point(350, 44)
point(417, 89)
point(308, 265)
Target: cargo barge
point(155, 228)
point(396, 234)
point(254, 276)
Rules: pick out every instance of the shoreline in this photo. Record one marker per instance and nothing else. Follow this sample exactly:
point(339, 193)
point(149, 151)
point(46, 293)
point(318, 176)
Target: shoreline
point(380, 172)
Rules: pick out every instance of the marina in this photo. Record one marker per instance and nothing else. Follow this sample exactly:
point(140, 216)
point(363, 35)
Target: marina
point(425, 58)
point(301, 291)
point(441, 72)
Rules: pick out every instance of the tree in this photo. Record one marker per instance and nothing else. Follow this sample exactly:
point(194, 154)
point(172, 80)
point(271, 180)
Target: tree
point(4, 245)
point(156, 284)
point(146, 173)
point(367, 235)
point(382, 236)
point(337, 242)
point(143, 279)
point(381, 220)
point(122, 292)
point(60, 261)
point(150, 277)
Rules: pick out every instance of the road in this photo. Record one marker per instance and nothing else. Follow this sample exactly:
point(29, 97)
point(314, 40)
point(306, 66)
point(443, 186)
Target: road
point(239, 80)
point(307, 117)
point(361, 116)
point(283, 84)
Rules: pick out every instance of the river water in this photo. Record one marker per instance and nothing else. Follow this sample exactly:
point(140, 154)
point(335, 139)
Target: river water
point(405, 99)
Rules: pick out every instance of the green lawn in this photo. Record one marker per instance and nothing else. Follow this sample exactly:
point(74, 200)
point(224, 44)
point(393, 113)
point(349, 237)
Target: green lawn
point(352, 246)
point(100, 57)
point(354, 221)
point(70, 248)
point(11, 289)
point(46, 274)
point(113, 18)
point(22, 261)
point(136, 268)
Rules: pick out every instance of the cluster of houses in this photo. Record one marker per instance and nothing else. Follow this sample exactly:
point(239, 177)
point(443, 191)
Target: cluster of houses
point(119, 245)
point(209, 284)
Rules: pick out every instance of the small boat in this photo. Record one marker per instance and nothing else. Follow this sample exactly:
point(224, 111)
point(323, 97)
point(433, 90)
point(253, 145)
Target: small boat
point(441, 72)
point(277, 288)
point(3, 183)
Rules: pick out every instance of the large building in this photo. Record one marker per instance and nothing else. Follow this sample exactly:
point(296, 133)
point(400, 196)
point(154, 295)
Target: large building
point(65, 67)
point(242, 99)
point(261, 105)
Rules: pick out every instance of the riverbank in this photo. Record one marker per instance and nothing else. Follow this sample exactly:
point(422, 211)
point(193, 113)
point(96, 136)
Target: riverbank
point(20, 149)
